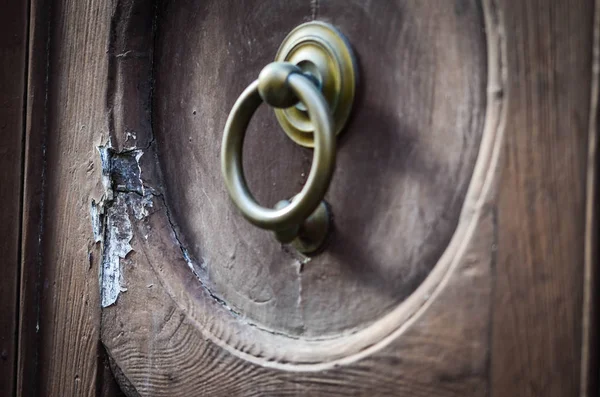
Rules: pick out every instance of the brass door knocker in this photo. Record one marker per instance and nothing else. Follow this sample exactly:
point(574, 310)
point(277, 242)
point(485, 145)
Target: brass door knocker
point(311, 86)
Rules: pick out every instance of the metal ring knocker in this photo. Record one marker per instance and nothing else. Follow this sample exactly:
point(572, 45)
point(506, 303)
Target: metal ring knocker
point(279, 84)
point(305, 220)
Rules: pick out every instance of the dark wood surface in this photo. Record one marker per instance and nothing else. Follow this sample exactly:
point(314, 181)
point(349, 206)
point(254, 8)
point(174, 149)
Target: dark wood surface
point(541, 211)
point(13, 50)
point(500, 313)
point(515, 299)
point(59, 323)
point(33, 199)
point(405, 159)
point(70, 356)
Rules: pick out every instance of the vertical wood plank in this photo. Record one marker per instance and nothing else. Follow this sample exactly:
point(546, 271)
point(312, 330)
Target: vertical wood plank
point(69, 307)
point(59, 349)
point(13, 48)
point(33, 188)
point(537, 320)
point(537, 323)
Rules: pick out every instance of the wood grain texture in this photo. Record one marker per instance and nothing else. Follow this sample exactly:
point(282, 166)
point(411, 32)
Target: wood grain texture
point(589, 357)
point(406, 158)
point(69, 304)
point(506, 321)
point(155, 341)
point(507, 317)
point(59, 352)
point(13, 51)
point(169, 336)
point(537, 316)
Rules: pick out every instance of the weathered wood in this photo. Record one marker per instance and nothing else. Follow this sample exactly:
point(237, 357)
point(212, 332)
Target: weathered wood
point(59, 352)
point(33, 199)
point(500, 312)
point(13, 50)
point(170, 336)
point(69, 304)
point(405, 159)
point(157, 344)
point(537, 316)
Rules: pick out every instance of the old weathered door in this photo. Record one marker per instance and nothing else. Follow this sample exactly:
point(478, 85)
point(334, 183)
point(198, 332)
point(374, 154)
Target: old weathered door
point(460, 261)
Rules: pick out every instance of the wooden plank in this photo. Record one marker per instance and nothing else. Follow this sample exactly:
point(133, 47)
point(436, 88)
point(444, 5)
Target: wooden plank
point(540, 222)
point(33, 186)
point(537, 316)
point(13, 50)
point(59, 352)
point(70, 305)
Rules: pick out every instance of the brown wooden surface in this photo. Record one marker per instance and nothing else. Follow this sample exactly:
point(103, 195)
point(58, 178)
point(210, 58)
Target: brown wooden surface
point(59, 352)
point(13, 50)
point(537, 316)
point(156, 342)
point(170, 336)
point(501, 317)
point(77, 122)
point(33, 199)
point(33, 182)
point(531, 260)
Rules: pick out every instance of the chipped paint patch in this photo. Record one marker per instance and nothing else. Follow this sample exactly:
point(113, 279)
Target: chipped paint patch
point(105, 155)
point(125, 171)
point(116, 247)
point(141, 205)
point(96, 216)
point(124, 193)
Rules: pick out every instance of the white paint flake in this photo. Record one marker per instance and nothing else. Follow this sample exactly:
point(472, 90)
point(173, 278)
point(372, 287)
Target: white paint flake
point(116, 247)
point(96, 213)
point(105, 165)
point(140, 207)
point(110, 217)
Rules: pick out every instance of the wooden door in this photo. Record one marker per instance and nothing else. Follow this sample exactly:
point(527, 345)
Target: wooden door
point(462, 258)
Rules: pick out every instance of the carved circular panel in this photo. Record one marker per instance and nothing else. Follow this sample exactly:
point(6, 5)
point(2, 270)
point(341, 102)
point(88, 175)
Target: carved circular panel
point(404, 162)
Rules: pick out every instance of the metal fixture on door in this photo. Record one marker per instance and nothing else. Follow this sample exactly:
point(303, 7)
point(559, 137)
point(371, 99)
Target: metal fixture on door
point(311, 85)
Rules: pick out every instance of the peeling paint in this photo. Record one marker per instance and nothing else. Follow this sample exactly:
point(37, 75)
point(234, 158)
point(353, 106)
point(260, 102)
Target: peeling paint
point(125, 171)
point(124, 194)
point(140, 207)
point(138, 156)
point(96, 216)
point(190, 262)
point(116, 247)
point(105, 166)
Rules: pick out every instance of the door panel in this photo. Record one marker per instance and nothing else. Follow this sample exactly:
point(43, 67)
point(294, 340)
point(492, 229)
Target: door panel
point(462, 204)
point(414, 175)
point(13, 49)
point(537, 326)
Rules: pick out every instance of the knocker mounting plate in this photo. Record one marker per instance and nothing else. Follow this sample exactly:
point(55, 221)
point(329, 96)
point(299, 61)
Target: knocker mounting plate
point(320, 50)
